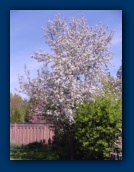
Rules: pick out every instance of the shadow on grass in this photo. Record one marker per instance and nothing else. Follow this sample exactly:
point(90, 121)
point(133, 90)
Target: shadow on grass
point(58, 149)
point(33, 151)
point(61, 148)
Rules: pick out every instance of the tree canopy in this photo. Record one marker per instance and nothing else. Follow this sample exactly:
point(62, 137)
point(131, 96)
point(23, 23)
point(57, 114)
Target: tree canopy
point(19, 109)
point(73, 72)
point(16, 108)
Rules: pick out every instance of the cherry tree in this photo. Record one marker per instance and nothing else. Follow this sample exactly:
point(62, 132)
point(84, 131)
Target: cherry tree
point(73, 71)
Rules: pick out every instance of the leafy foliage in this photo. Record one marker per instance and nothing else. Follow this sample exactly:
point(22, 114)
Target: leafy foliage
point(16, 117)
point(27, 116)
point(97, 126)
point(17, 111)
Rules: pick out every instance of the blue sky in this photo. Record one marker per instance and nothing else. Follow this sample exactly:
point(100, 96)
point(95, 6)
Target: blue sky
point(26, 36)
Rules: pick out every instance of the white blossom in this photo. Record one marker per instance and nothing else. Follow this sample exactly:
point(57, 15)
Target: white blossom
point(79, 60)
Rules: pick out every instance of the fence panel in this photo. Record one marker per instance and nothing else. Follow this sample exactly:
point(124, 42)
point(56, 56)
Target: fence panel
point(25, 133)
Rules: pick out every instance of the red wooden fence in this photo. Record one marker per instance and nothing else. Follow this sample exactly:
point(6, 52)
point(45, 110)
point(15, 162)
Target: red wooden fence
point(25, 133)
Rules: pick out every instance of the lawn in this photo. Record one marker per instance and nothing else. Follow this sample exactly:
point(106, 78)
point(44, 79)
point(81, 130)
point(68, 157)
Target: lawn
point(34, 151)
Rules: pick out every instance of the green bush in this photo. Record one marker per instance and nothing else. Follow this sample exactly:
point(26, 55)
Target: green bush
point(96, 127)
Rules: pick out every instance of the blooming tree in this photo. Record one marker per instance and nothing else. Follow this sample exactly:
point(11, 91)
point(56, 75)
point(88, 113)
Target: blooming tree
point(73, 72)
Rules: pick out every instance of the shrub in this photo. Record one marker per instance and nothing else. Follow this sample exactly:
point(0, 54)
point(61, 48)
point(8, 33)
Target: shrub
point(96, 127)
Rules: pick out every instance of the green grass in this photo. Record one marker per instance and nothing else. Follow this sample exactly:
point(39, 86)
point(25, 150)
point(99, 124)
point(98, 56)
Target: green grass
point(33, 151)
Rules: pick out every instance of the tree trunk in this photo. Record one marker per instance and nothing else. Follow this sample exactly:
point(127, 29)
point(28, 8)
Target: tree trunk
point(72, 144)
